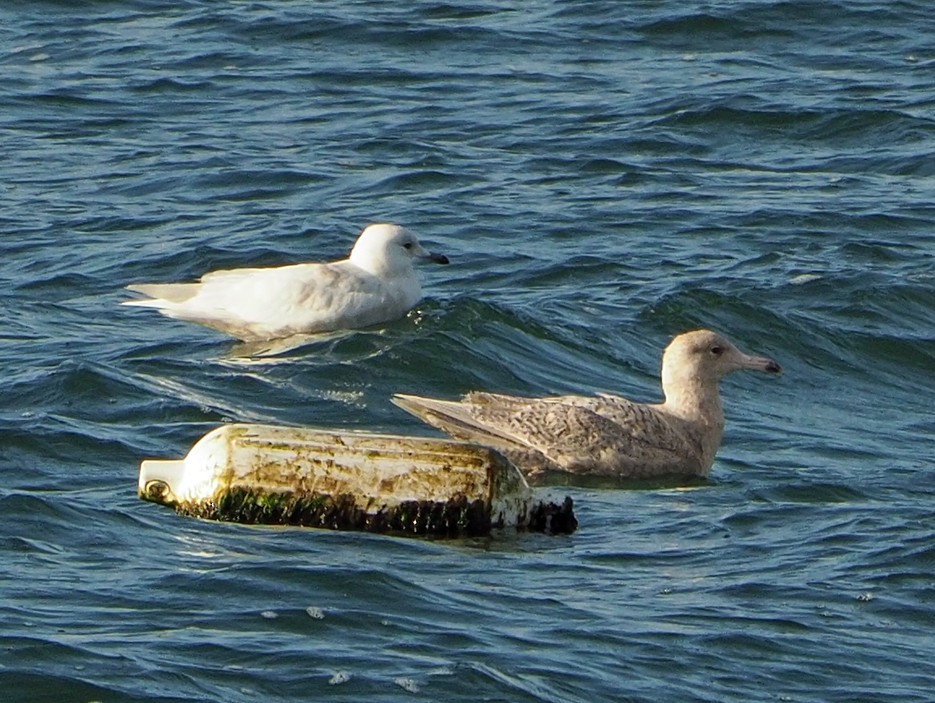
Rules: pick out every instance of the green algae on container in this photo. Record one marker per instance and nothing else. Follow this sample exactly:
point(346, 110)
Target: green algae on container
point(344, 480)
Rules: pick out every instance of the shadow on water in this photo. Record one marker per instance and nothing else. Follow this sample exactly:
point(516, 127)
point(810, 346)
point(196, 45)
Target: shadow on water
point(555, 479)
point(274, 349)
point(339, 345)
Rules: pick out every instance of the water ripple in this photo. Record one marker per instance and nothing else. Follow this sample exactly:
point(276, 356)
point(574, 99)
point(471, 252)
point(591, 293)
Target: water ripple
point(602, 176)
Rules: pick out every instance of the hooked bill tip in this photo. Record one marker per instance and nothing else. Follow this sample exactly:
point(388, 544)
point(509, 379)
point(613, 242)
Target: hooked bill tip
point(438, 258)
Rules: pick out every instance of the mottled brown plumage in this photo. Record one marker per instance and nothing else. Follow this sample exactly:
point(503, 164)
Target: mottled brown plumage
point(607, 435)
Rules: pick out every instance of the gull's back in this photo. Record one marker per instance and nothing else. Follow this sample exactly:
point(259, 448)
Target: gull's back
point(376, 284)
point(598, 435)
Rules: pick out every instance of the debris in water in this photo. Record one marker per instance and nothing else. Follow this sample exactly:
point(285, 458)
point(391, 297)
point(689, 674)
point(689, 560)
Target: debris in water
point(262, 474)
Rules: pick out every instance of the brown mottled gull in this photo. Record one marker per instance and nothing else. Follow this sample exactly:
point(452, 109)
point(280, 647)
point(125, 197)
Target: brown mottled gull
point(606, 435)
point(375, 284)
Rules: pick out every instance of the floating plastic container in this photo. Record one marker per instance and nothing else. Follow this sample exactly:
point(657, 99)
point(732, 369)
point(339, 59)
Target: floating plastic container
point(264, 474)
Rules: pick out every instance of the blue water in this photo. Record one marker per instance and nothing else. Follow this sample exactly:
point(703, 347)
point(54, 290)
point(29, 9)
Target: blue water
point(603, 175)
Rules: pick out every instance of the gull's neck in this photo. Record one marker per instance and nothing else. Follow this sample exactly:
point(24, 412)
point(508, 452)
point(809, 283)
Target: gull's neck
point(381, 266)
point(367, 262)
point(693, 398)
point(697, 402)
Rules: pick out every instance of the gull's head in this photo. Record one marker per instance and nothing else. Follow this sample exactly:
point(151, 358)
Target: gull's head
point(386, 248)
point(703, 357)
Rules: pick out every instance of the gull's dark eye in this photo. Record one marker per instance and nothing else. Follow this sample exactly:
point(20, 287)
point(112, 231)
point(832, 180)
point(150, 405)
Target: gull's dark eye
point(407, 245)
point(717, 350)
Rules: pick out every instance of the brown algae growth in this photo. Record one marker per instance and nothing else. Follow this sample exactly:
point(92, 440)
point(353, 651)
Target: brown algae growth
point(456, 517)
point(264, 474)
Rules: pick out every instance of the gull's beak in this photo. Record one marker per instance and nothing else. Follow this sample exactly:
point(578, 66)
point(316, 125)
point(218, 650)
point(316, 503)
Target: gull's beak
point(423, 253)
point(759, 363)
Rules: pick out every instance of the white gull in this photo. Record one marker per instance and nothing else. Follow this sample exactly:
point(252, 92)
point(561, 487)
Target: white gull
point(375, 284)
point(607, 435)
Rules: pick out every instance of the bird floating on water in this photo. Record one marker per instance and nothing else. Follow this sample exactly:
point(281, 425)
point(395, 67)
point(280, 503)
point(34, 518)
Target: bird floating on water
point(607, 435)
point(375, 284)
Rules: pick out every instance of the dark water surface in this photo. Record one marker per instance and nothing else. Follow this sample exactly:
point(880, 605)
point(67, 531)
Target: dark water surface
point(603, 175)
